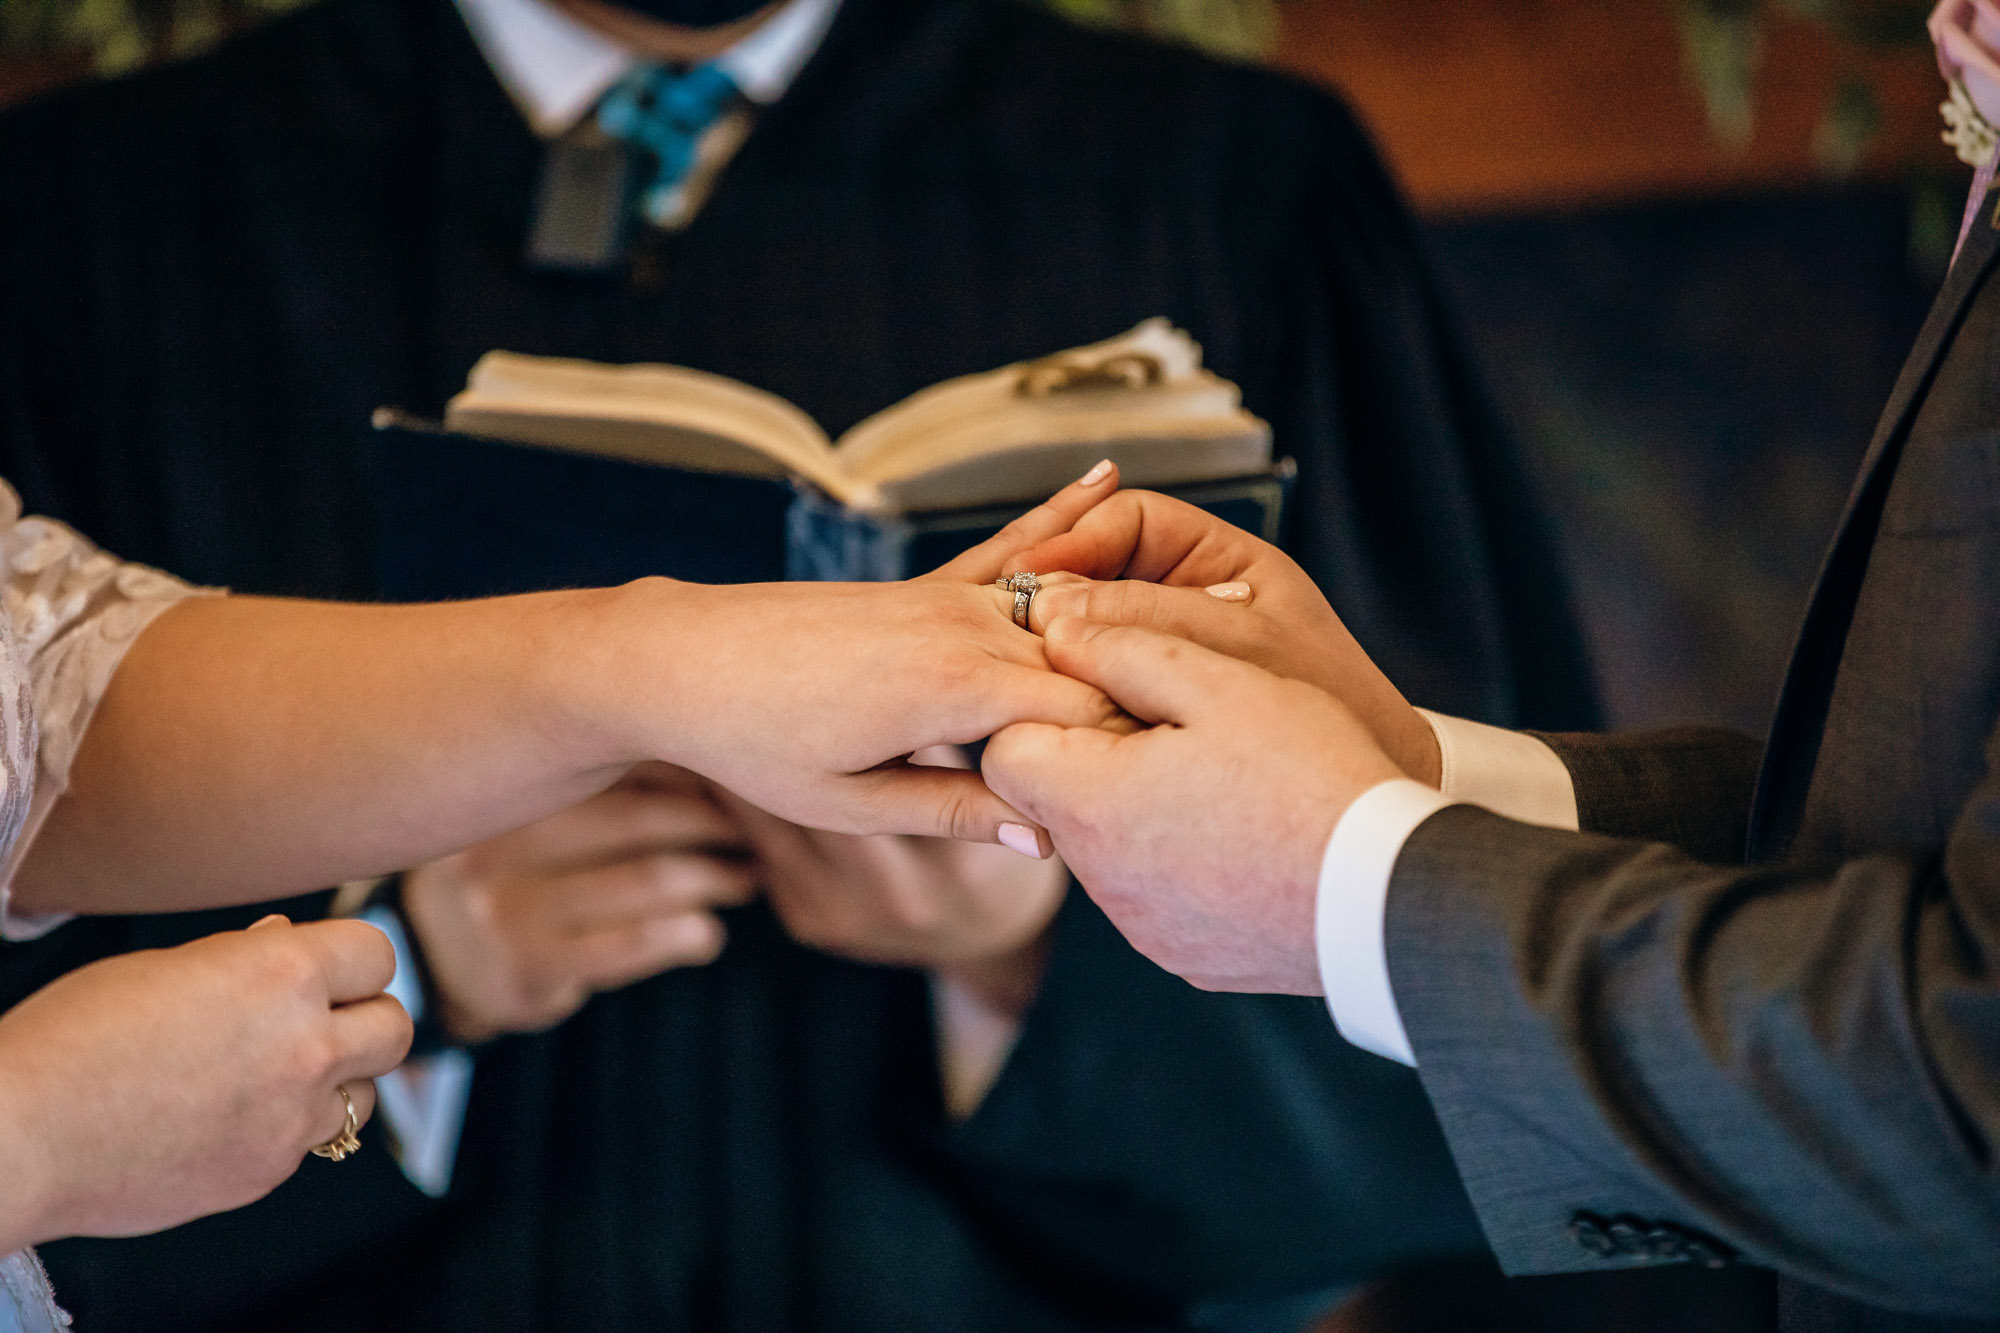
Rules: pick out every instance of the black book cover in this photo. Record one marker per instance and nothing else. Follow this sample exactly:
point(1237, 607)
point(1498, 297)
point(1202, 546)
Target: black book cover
point(462, 516)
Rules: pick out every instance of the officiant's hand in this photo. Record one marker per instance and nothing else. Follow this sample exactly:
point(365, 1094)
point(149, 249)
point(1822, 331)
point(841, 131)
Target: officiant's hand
point(1180, 570)
point(521, 930)
point(153, 1088)
point(1200, 837)
point(975, 914)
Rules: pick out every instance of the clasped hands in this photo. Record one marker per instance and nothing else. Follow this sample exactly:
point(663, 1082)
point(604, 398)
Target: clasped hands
point(1200, 833)
point(1195, 763)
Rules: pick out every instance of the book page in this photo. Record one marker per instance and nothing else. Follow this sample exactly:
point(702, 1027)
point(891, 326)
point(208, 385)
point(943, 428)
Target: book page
point(1142, 399)
point(664, 415)
point(1152, 462)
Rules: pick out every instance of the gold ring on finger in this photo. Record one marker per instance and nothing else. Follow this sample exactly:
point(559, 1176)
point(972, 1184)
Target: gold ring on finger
point(348, 1142)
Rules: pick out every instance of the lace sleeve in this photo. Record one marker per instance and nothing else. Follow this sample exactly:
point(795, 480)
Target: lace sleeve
point(71, 612)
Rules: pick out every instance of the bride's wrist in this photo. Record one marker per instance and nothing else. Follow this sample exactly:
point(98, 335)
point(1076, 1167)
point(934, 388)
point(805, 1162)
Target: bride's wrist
point(618, 673)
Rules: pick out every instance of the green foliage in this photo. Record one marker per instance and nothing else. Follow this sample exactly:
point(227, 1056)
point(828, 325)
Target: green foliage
point(120, 34)
point(1724, 47)
point(123, 33)
point(1243, 29)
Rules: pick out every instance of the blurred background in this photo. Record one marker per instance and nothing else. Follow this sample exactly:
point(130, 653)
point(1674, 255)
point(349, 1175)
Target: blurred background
point(1689, 239)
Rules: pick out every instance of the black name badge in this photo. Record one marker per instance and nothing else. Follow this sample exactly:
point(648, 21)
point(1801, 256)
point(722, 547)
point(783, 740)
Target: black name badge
point(583, 207)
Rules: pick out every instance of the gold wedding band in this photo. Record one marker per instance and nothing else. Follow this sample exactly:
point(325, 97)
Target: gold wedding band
point(1024, 586)
point(346, 1143)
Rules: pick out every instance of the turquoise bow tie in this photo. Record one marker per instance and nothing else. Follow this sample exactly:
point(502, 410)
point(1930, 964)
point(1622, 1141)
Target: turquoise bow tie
point(666, 114)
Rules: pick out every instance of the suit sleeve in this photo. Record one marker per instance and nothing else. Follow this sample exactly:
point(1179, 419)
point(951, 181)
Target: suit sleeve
point(1688, 786)
point(1638, 1054)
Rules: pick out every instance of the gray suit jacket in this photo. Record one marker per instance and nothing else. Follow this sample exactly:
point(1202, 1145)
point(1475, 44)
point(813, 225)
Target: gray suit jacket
point(1758, 1018)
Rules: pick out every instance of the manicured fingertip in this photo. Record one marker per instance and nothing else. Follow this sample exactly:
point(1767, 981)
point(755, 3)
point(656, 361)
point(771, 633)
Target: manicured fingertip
point(1229, 592)
point(275, 919)
point(1103, 469)
point(1022, 839)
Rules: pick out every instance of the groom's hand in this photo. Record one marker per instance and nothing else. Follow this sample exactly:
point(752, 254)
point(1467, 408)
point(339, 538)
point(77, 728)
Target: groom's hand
point(1182, 571)
point(1200, 836)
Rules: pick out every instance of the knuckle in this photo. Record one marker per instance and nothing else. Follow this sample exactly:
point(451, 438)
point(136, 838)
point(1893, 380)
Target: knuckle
point(372, 951)
point(812, 929)
point(962, 817)
point(315, 1056)
point(1119, 602)
point(1019, 529)
point(696, 939)
point(957, 672)
point(482, 903)
point(292, 972)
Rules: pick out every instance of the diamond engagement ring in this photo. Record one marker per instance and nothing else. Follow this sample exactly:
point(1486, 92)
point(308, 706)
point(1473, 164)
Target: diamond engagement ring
point(346, 1143)
point(1024, 586)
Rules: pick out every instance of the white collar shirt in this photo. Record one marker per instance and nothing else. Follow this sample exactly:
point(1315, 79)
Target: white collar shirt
point(556, 68)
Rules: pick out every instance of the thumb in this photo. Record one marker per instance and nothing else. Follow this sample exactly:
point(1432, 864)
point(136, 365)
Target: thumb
point(1153, 676)
point(944, 803)
point(1045, 770)
point(275, 919)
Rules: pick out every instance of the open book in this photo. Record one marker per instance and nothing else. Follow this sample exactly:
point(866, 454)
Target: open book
point(1017, 433)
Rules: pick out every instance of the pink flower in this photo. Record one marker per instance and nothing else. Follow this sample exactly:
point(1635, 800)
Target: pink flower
point(1967, 36)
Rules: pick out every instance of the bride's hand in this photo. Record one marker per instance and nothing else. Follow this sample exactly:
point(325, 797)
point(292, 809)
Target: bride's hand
point(806, 698)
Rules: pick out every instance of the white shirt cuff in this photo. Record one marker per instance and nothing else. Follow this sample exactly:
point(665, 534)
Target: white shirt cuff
point(1507, 772)
point(423, 1101)
point(1353, 893)
point(423, 1105)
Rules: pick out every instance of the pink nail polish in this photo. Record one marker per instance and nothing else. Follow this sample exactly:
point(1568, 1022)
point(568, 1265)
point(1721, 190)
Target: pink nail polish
point(1230, 592)
point(1096, 474)
point(1022, 839)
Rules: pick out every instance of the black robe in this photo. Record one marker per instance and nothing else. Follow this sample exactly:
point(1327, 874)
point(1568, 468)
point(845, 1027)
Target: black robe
point(211, 273)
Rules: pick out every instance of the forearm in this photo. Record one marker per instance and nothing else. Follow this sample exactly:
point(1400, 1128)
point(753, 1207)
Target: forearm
point(24, 1172)
point(249, 748)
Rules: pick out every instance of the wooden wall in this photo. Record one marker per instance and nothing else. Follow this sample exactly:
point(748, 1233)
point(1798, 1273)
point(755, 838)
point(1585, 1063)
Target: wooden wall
point(1507, 105)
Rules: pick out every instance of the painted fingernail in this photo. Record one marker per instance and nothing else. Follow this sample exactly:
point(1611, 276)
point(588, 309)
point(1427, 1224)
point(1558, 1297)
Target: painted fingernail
point(1021, 838)
point(1230, 592)
point(1096, 474)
